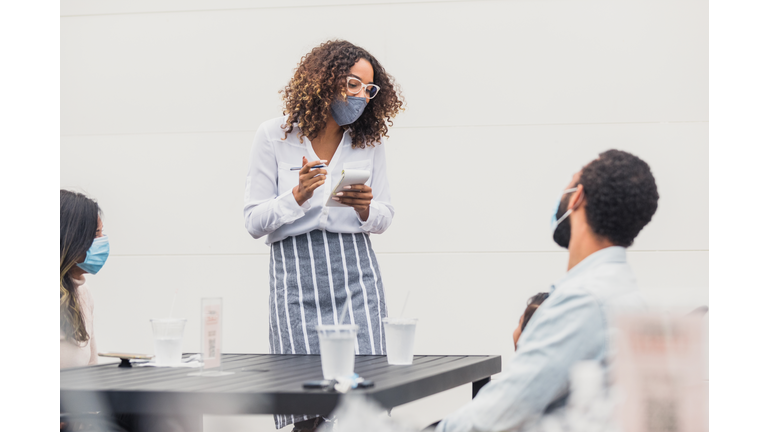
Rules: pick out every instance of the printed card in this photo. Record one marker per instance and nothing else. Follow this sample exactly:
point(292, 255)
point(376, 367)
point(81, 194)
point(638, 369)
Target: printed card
point(211, 339)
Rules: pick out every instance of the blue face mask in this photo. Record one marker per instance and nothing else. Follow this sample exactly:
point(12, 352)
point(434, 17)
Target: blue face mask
point(555, 221)
point(96, 256)
point(346, 112)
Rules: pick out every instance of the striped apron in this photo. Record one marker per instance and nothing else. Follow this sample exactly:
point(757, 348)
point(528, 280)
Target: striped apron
point(310, 278)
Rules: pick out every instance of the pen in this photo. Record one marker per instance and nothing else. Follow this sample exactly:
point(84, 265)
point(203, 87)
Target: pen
point(316, 166)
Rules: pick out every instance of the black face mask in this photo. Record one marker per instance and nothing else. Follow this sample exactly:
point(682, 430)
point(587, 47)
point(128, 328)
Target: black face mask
point(562, 234)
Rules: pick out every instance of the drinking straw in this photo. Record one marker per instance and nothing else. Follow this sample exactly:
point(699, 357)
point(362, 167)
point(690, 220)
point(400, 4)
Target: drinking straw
point(346, 305)
point(402, 313)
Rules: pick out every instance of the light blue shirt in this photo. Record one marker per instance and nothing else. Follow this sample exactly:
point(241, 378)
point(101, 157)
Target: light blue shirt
point(572, 325)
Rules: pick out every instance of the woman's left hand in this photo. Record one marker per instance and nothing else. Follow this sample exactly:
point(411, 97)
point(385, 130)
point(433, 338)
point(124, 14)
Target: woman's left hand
point(358, 197)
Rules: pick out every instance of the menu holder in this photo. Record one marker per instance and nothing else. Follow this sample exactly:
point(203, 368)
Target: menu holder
point(211, 335)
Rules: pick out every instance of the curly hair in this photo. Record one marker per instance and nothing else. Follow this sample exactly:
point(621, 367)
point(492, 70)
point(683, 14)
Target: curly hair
point(621, 196)
point(320, 79)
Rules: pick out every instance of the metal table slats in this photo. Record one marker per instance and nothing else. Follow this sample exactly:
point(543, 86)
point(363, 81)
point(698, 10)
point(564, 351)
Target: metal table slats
point(262, 384)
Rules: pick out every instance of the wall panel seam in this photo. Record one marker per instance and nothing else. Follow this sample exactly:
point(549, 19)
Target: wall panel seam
point(398, 127)
point(307, 6)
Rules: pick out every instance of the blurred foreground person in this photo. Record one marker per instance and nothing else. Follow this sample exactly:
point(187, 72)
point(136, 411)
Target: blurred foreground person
point(598, 216)
point(83, 248)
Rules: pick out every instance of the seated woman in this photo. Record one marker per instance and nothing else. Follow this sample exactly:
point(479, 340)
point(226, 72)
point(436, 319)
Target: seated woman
point(533, 304)
point(83, 249)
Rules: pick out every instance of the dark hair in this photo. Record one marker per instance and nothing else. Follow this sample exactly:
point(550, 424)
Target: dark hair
point(78, 222)
point(321, 78)
point(533, 304)
point(620, 194)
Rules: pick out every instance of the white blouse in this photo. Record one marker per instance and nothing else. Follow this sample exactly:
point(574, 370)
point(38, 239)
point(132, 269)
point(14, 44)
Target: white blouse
point(270, 207)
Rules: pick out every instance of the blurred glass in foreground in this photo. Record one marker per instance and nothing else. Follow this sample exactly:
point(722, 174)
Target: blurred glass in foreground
point(660, 365)
point(655, 384)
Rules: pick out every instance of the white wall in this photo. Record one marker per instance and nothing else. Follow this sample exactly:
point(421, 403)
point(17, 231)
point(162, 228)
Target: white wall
point(506, 99)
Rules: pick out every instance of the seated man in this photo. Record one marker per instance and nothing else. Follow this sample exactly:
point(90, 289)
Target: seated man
point(600, 213)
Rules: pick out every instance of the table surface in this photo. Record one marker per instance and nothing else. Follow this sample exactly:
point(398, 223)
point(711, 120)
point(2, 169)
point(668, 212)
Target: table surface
point(261, 384)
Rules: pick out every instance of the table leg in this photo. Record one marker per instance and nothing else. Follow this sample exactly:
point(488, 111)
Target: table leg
point(477, 385)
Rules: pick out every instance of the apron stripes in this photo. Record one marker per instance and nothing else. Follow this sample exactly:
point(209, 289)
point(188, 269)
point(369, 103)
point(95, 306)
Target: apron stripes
point(311, 277)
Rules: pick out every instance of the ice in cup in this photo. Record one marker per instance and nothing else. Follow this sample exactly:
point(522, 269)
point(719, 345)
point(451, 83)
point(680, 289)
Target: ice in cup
point(168, 333)
point(337, 350)
point(401, 335)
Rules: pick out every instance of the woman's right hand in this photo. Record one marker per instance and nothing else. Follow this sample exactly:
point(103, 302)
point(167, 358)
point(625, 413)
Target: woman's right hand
point(309, 180)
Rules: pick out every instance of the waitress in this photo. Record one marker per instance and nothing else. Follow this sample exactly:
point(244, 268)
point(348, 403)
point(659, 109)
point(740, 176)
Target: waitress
point(336, 109)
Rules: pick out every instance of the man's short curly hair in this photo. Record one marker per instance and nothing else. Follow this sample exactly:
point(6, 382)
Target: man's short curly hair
point(321, 78)
point(621, 196)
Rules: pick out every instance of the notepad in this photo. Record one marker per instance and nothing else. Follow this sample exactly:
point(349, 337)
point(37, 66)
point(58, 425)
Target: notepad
point(348, 178)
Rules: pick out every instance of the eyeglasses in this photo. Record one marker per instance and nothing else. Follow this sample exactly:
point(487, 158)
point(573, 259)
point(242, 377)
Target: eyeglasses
point(355, 86)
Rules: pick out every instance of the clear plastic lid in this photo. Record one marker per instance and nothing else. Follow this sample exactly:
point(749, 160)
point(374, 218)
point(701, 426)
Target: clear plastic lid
point(337, 328)
point(400, 321)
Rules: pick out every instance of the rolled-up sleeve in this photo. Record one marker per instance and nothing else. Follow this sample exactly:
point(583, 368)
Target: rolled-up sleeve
point(265, 210)
point(557, 337)
point(381, 209)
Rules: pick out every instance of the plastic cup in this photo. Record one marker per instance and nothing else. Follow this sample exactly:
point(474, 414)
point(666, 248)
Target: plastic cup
point(168, 333)
point(337, 350)
point(401, 335)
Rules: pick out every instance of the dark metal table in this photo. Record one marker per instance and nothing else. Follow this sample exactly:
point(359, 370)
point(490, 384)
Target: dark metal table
point(262, 384)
